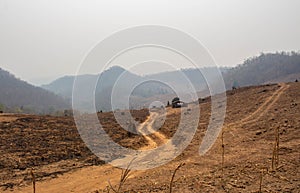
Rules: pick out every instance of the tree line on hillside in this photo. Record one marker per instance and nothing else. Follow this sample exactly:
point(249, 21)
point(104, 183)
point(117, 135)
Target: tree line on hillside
point(20, 97)
point(265, 68)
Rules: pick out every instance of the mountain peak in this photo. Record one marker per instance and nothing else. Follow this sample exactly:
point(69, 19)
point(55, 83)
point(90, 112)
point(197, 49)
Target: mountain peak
point(115, 69)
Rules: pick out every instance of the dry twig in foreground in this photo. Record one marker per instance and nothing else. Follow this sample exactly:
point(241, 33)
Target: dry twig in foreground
point(124, 176)
point(172, 179)
point(33, 180)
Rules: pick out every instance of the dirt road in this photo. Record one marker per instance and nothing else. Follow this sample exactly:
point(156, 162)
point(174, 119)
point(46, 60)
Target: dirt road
point(243, 153)
point(260, 111)
point(89, 179)
point(147, 127)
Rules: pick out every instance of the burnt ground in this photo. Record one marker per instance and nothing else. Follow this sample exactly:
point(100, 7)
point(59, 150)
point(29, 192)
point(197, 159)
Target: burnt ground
point(51, 145)
point(252, 118)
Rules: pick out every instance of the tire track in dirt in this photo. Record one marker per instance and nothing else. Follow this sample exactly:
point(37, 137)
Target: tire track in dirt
point(261, 111)
point(89, 179)
point(153, 137)
point(83, 180)
point(148, 125)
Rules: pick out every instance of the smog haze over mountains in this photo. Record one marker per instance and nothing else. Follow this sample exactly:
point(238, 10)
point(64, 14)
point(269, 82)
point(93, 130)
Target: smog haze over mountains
point(44, 40)
point(264, 69)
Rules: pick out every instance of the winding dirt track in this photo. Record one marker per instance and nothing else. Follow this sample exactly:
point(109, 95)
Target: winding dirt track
point(265, 107)
point(96, 177)
point(261, 111)
point(148, 124)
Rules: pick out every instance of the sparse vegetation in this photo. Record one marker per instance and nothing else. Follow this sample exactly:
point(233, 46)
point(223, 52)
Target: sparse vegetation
point(262, 172)
point(247, 149)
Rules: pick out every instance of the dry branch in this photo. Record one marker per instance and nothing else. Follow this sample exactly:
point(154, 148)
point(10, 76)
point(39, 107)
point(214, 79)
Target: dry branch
point(173, 176)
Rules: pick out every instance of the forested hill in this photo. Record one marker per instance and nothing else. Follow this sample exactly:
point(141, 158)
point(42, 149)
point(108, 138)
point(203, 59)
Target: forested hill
point(266, 68)
point(19, 96)
point(263, 69)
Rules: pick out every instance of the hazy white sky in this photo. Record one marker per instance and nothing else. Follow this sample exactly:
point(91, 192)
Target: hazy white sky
point(41, 40)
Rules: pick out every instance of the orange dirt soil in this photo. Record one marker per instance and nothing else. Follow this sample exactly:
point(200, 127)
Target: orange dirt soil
point(62, 163)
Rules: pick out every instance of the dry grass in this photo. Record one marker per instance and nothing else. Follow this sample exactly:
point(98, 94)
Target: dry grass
point(263, 171)
point(124, 176)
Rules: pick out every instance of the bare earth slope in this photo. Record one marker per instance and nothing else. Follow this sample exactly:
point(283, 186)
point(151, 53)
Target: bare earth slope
point(253, 116)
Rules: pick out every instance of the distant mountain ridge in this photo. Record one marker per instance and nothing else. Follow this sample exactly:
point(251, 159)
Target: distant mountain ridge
point(19, 96)
point(266, 68)
point(144, 86)
point(63, 86)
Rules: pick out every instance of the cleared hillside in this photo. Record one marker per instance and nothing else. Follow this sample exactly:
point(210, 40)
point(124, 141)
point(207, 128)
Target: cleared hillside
point(254, 114)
